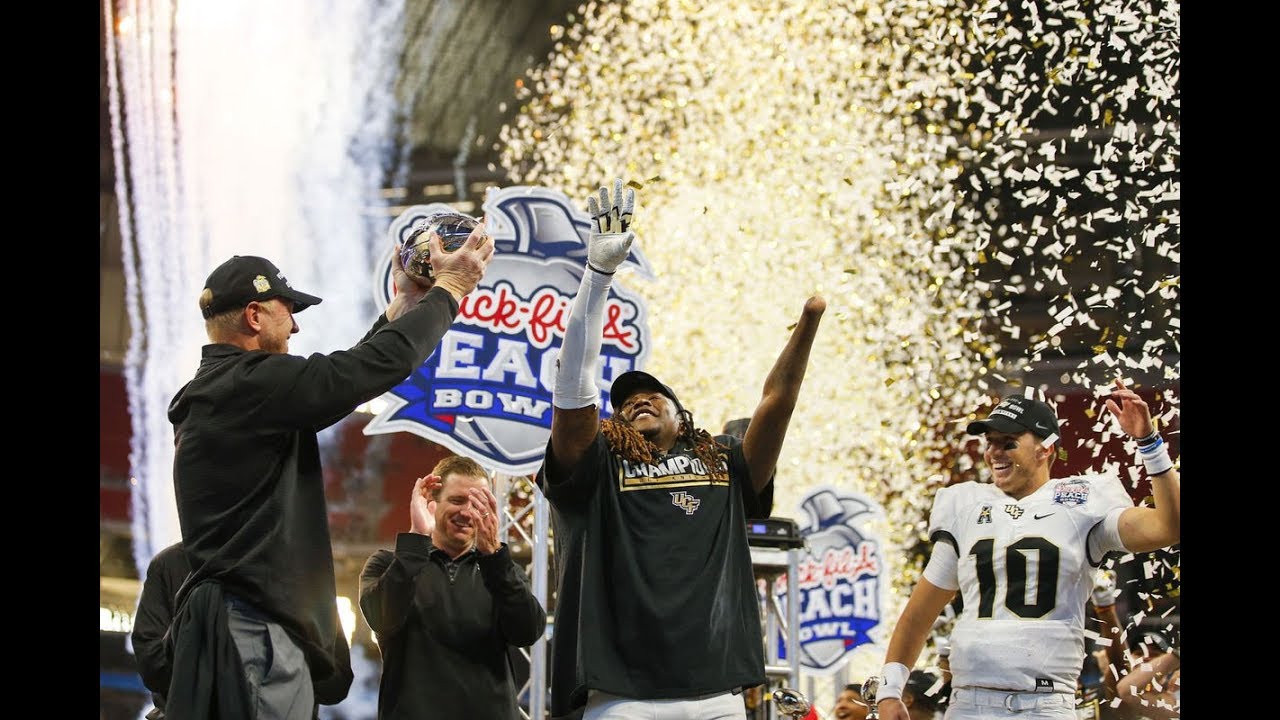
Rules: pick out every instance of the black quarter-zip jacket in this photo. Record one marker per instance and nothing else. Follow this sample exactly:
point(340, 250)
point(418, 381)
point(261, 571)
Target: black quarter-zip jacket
point(247, 475)
point(445, 628)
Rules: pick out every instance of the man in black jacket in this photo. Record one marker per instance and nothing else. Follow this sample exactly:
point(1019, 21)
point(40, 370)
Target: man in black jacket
point(249, 487)
point(449, 603)
point(165, 574)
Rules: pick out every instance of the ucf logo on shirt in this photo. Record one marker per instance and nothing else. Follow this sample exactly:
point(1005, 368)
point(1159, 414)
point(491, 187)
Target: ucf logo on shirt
point(685, 501)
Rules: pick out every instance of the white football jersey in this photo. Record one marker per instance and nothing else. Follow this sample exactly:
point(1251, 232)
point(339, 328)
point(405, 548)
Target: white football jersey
point(1025, 572)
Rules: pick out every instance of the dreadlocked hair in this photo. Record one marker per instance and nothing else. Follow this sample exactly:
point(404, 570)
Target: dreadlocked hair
point(631, 445)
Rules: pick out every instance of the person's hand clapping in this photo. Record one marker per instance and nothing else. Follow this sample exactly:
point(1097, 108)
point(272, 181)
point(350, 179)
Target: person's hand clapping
point(484, 513)
point(422, 508)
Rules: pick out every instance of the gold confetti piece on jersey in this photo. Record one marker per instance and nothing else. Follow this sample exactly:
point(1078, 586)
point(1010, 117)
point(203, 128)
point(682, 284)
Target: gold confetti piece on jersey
point(635, 185)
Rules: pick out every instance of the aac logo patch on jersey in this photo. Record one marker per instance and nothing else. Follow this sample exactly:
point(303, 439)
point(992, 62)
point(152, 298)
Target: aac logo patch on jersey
point(685, 501)
point(985, 515)
point(1015, 511)
point(1071, 492)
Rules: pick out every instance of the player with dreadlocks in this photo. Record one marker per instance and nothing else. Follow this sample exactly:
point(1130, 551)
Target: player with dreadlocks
point(656, 608)
point(630, 444)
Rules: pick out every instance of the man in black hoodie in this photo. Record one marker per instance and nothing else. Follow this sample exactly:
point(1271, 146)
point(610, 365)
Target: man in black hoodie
point(257, 620)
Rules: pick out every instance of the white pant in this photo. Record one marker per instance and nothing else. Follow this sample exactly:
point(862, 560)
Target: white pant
point(721, 706)
point(979, 704)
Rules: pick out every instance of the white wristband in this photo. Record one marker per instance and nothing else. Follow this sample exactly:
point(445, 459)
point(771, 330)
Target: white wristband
point(894, 681)
point(1158, 460)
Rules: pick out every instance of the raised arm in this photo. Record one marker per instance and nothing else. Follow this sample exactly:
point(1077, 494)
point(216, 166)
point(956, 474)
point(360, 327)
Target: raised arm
point(762, 442)
point(1143, 529)
point(575, 415)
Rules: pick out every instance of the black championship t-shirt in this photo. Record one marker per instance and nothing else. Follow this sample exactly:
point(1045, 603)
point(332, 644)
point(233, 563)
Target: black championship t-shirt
point(657, 596)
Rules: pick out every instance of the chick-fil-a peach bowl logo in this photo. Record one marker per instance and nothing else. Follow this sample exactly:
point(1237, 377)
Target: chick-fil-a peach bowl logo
point(838, 578)
point(486, 390)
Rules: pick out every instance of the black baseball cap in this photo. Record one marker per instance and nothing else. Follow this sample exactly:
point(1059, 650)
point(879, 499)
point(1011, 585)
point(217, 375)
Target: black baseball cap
point(631, 382)
point(1017, 414)
point(246, 278)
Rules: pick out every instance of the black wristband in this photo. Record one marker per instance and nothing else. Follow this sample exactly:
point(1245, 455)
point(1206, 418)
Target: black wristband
point(596, 269)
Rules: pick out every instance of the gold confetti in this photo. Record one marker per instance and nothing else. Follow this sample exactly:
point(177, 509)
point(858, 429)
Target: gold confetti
point(787, 188)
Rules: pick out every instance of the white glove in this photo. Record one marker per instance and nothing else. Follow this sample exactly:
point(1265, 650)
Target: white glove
point(1104, 588)
point(610, 239)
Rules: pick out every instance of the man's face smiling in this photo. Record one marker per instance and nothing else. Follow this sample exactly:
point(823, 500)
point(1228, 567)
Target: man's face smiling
point(1013, 460)
point(651, 413)
point(455, 530)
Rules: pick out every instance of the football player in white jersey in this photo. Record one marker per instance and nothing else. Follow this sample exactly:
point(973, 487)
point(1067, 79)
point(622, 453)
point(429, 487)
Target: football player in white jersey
point(1023, 550)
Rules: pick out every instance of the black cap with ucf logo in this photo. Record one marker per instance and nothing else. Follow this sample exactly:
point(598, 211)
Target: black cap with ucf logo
point(1017, 414)
point(244, 279)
